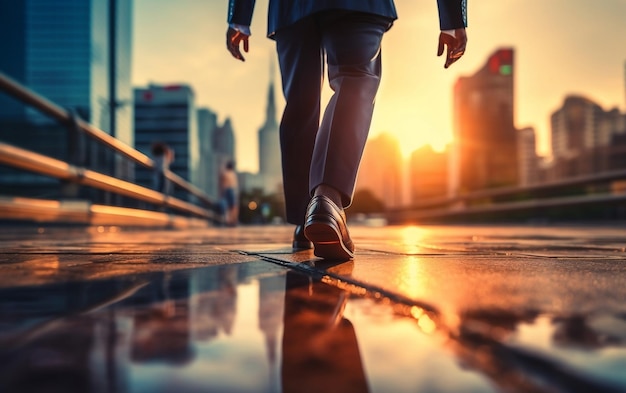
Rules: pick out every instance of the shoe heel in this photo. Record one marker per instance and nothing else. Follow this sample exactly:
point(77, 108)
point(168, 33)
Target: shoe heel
point(327, 242)
point(321, 234)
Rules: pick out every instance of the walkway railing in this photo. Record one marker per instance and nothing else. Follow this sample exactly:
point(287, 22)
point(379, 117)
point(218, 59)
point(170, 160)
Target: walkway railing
point(72, 210)
point(600, 196)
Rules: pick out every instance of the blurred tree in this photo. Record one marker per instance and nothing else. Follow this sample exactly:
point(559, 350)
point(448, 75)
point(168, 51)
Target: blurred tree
point(257, 207)
point(365, 202)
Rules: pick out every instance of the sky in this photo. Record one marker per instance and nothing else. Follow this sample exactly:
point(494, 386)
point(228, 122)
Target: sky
point(561, 47)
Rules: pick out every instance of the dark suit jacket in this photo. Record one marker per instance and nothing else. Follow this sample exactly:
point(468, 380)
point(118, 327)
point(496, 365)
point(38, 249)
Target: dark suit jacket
point(282, 13)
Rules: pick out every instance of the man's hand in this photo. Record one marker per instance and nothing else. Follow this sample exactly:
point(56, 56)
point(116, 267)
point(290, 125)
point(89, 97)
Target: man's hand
point(233, 39)
point(455, 45)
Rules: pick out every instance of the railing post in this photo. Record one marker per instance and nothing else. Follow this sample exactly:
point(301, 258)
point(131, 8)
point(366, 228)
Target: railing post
point(75, 145)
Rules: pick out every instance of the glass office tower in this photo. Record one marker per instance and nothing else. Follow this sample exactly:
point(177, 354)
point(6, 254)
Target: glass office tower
point(485, 138)
point(167, 114)
point(75, 53)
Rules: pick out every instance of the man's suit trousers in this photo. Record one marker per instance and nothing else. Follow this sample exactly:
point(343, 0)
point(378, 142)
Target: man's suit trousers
point(330, 151)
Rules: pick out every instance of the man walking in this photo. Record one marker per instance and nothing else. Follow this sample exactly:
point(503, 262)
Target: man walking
point(320, 159)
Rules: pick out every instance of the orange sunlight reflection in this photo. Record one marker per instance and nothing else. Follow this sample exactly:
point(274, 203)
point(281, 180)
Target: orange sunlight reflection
point(411, 279)
point(411, 237)
point(47, 265)
point(424, 321)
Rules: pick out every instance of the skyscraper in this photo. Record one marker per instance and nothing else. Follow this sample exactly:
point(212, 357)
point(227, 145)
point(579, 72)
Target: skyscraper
point(584, 137)
point(428, 171)
point(527, 157)
point(77, 54)
point(167, 114)
point(224, 142)
point(209, 166)
point(270, 168)
point(382, 170)
point(485, 140)
point(574, 125)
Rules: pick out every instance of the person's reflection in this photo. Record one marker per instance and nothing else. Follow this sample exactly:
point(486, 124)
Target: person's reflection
point(214, 304)
point(161, 331)
point(320, 349)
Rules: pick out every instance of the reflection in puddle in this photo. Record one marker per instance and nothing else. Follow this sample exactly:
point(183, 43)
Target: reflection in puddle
point(595, 344)
point(257, 327)
point(529, 351)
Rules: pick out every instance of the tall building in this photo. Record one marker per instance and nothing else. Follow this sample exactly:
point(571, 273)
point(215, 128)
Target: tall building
point(209, 166)
point(617, 154)
point(428, 174)
point(584, 137)
point(167, 114)
point(485, 139)
point(77, 54)
point(382, 169)
point(270, 169)
point(224, 143)
point(575, 127)
point(527, 157)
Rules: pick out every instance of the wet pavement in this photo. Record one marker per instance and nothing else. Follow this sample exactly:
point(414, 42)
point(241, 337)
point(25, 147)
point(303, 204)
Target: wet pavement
point(420, 309)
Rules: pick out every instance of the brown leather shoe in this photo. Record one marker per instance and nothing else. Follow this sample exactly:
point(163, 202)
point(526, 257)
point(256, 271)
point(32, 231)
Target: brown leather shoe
point(300, 242)
point(325, 226)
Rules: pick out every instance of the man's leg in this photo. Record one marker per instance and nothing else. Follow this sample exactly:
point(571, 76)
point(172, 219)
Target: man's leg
point(352, 43)
point(300, 59)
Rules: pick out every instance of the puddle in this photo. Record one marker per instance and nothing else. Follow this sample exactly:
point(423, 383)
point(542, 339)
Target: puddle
point(594, 345)
point(257, 327)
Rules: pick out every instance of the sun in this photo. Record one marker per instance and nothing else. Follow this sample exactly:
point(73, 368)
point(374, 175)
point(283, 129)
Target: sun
point(413, 125)
point(410, 140)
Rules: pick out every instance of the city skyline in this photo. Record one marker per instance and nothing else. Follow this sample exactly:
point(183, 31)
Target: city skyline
point(562, 49)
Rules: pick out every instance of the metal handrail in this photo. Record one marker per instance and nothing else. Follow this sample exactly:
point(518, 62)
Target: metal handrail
point(568, 182)
point(34, 162)
point(440, 202)
point(402, 215)
point(83, 212)
point(515, 199)
point(49, 108)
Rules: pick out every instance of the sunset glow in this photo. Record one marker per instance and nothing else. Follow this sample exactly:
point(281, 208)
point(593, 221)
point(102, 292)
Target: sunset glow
point(412, 137)
point(183, 42)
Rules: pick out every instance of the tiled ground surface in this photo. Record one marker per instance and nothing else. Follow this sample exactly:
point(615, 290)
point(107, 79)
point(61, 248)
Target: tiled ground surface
point(433, 309)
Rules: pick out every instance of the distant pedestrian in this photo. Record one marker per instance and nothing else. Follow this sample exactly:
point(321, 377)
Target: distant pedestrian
point(162, 156)
point(229, 191)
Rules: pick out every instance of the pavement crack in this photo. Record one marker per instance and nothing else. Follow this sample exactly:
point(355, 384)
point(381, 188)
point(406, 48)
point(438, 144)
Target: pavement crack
point(326, 274)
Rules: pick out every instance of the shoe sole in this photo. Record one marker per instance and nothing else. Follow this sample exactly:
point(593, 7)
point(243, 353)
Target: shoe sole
point(301, 245)
point(327, 241)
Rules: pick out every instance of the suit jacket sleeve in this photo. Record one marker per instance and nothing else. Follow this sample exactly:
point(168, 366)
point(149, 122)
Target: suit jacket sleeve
point(240, 12)
point(452, 14)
